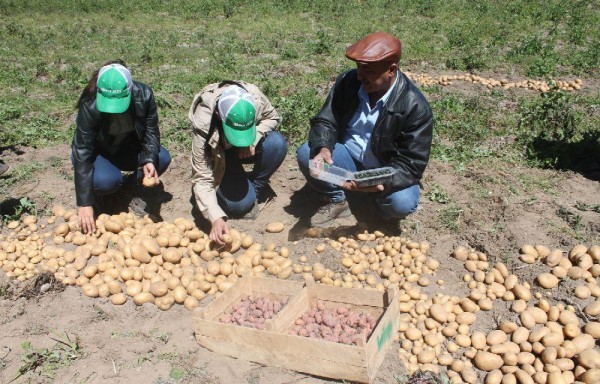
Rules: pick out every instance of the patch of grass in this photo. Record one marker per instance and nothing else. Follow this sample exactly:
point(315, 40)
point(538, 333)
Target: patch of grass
point(450, 217)
point(572, 219)
point(438, 195)
point(292, 52)
point(558, 131)
point(45, 362)
point(21, 173)
point(587, 207)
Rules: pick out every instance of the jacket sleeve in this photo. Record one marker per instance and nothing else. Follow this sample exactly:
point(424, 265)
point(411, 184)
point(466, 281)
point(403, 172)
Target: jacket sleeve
point(203, 181)
point(268, 120)
point(82, 152)
point(413, 146)
point(151, 139)
point(324, 126)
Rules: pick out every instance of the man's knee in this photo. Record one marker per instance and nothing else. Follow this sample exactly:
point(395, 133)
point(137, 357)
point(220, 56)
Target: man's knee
point(400, 204)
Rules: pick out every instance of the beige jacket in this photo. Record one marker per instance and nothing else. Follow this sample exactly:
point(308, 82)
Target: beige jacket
point(206, 179)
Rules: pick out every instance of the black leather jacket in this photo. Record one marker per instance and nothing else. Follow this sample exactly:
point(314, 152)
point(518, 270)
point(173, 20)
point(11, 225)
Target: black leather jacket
point(91, 135)
point(402, 134)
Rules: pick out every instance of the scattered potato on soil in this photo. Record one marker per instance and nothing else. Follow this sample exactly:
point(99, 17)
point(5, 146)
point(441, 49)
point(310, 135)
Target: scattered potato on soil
point(275, 227)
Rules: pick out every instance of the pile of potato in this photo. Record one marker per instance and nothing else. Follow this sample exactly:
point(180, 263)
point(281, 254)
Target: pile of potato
point(171, 263)
point(252, 312)
point(339, 325)
point(373, 260)
point(548, 343)
point(162, 263)
point(535, 85)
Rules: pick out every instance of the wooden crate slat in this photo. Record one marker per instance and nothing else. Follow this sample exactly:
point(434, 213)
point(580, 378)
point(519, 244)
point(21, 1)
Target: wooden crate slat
point(367, 297)
point(275, 286)
point(291, 312)
point(286, 344)
point(218, 305)
point(314, 365)
point(382, 338)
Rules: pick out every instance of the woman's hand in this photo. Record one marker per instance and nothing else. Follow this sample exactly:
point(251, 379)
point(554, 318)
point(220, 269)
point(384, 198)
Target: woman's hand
point(246, 152)
point(150, 172)
point(86, 219)
point(218, 230)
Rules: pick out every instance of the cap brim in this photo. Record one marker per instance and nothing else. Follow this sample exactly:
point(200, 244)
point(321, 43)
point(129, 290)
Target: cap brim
point(107, 105)
point(239, 138)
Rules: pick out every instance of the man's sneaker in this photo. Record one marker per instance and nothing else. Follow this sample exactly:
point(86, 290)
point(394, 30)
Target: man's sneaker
point(138, 207)
point(3, 168)
point(330, 212)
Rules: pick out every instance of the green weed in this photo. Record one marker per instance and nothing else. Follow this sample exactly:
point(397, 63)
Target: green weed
point(437, 194)
point(572, 219)
point(25, 206)
point(45, 362)
point(450, 217)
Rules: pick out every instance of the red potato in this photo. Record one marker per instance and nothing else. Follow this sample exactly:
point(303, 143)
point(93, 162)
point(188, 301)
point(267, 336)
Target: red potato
point(252, 313)
point(338, 325)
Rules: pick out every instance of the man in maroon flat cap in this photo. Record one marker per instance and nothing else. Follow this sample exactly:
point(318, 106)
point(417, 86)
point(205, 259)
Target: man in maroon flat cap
point(373, 117)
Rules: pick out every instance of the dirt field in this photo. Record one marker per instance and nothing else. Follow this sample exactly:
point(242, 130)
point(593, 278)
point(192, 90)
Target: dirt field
point(497, 211)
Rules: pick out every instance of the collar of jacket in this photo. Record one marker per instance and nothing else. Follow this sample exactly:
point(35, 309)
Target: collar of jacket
point(393, 104)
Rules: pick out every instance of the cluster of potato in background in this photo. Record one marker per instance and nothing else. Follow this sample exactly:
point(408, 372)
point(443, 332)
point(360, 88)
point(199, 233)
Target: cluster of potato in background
point(541, 341)
point(534, 85)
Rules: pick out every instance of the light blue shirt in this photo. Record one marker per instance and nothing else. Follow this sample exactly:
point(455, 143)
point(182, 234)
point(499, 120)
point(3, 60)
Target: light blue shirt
point(357, 138)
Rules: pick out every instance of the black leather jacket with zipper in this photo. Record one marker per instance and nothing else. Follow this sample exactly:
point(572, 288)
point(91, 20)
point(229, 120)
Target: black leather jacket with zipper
point(91, 135)
point(401, 136)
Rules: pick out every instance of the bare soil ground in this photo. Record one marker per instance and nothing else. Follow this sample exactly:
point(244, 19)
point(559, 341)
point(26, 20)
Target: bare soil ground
point(497, 211)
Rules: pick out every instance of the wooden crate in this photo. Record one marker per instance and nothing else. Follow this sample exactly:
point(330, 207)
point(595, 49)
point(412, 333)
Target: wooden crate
point(274, 346)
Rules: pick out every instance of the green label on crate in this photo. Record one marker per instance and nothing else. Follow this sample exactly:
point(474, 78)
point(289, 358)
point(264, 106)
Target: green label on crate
point(385, 335)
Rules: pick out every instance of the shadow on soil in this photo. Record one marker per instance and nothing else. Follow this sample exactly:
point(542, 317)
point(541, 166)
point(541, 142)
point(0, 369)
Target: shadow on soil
point(304, 203)
point(581, 157)
point(118, 202)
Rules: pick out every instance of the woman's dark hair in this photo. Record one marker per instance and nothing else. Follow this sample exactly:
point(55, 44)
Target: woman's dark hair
point(89, 92)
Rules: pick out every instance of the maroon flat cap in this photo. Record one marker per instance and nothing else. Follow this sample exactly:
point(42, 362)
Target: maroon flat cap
point(376, 47)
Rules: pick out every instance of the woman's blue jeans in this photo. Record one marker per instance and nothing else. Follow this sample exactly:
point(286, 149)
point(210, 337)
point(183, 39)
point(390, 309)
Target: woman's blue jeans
point(108, 178)
point(239, 190)
point(396, 204)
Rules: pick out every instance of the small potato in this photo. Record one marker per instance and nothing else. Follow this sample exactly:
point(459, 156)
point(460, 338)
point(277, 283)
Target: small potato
point(143, 298)
point(547, 280)
point(158, 288)
point(275, 227)
point(90, 290)
point(179, 294)
point(149, 181)
point(118, 299)
point(487, 361)
point(190, 303)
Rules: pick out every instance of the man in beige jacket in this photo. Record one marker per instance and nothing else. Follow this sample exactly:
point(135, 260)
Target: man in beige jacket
point(233, 124)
